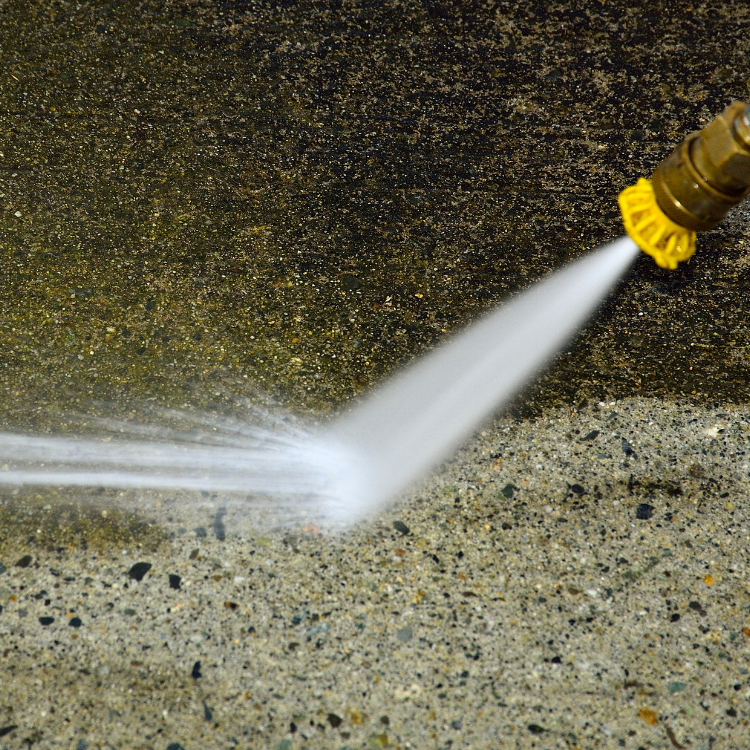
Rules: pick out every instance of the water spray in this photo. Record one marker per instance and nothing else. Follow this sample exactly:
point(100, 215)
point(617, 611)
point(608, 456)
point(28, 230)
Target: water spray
point(406, 426)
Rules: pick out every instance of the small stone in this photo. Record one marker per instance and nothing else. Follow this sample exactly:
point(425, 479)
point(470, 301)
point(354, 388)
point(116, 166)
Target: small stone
point(7, 730)
point(674, 618)
point(457, 724)
point(577, 489)
point(649, 716)
point(401, 527)
point(174, 581)
point(644, 511)
point(508, 491)
point(196, 673)
point(220, 531)
point(591, 435)
point(207, 714)
point(536, 729)
point(404, 634)
point(129, 611)
point(627, 449)
point(75, 622)
point(46, 621)
point(334, 720)
point(175, 746)
point(139, 570)
point(2, 569)
point(200, 532)
point(676, 687)
point(24, 562)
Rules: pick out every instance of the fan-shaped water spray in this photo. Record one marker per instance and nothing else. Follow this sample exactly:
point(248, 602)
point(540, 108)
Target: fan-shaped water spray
point(371, 454)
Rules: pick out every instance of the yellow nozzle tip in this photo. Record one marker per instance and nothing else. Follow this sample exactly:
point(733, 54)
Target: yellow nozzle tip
point(656, 234)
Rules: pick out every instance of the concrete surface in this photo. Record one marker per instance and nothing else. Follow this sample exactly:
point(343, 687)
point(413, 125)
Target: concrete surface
point(200, 198)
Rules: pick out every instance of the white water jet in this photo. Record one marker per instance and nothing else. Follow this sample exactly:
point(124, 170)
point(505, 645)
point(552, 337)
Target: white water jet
point(395, 436)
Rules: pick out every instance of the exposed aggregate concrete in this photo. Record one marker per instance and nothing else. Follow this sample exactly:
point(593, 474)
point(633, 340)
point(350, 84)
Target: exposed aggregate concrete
point(293, 198)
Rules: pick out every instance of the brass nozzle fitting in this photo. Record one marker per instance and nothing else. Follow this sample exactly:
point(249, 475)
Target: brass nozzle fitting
point(692, 189)
point(708, 173)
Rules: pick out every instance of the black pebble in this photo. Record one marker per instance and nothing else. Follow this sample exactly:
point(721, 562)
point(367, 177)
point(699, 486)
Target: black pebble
point(627, 448)
point(334, 720)
point(536, 729)
point(174, 581)
point(75, 622)
point(577, 489)
point(7, 730)
point(219, 529)
point(196, 673)
point(24, 562)
point(401, 527)
point(46, 620)
point(207, 715)
point(139, 570)
point(457, 724)
point(175, 746)
point(644, 511)
point(556, 660)
point(674, 618)
point(591, 435)
point(508, 490)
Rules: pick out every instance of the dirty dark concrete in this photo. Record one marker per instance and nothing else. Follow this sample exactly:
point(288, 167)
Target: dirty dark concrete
point(257, 193)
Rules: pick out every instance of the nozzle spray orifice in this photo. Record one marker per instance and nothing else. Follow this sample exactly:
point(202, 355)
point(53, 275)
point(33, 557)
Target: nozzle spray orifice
point(692, 189)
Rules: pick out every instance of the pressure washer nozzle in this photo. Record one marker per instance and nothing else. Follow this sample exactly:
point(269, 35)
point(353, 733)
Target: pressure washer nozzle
point(692, 189)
